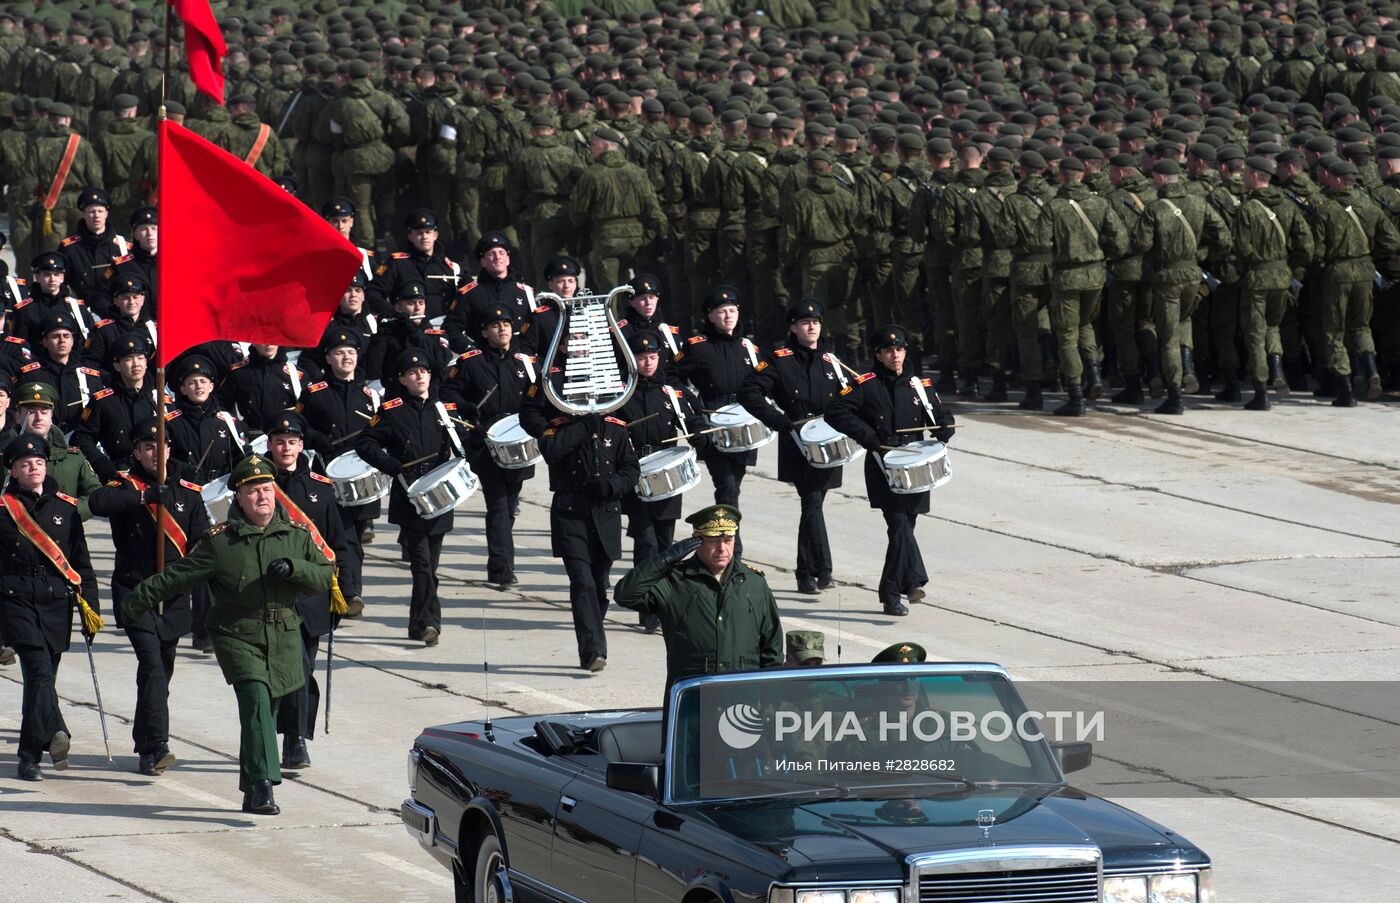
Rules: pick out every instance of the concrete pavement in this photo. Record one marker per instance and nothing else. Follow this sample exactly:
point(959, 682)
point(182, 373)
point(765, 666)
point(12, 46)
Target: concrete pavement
point(1222, 545)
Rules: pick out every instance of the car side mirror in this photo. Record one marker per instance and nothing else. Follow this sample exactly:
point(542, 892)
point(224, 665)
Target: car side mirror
point(635, 777)
point(1073, 755)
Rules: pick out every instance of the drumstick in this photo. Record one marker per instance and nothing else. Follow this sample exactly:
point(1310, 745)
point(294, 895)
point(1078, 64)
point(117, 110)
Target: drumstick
point(470, 426)
point(364, 415)
point(489, 392)
point(346, 436)
point(713, 429)
point(846, 368)
point(646, 418)
point(415, 461)
point(920, 429)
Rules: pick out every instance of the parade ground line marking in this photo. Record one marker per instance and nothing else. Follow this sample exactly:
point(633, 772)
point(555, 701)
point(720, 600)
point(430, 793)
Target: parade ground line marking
point(437, 877)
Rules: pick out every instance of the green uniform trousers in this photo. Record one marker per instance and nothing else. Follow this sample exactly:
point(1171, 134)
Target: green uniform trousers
point(700, 261)
point(965, 291)
point(1130, 320)
point(1346, 322)
point(770, 297)
point(1169, 299)
point(1028, 306)
point(257, 740)
point(996, 313)
point(1227, 316)
point(1261, 312)
point(1072, 315)
point(827, 276)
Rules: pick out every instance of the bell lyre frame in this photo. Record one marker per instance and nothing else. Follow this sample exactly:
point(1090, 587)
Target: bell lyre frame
point(592, 382)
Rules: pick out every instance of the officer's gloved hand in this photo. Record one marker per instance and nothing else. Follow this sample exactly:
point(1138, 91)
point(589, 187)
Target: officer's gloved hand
point(156, 495)
point(679, 551)
point(598, 489)
point(281, 568)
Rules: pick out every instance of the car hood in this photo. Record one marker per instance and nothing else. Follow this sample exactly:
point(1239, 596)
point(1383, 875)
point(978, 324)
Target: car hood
point(870, 838)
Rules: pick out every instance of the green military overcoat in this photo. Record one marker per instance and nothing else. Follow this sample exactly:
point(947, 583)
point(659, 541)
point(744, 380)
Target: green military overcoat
point(233, 557)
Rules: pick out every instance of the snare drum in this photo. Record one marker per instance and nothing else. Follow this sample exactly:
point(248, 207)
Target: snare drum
point(668, 473)
point(737, 430)
point(824, 447)
point(356, 482)
point(511, 447)
point(443, 488)
point(217, 499)
point(918, 467)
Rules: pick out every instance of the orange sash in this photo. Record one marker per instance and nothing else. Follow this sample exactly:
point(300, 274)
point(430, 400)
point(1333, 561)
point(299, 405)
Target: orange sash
point(65, 165)
point(264, 131)
point(41, 540)
point(173, 531)
point(298, 516)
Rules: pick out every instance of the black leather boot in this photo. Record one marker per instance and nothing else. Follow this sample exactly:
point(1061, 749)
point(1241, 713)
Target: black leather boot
point(259, 800)
point(1231, 392)
point(998, 392)
point(1345, 398)
point(1189, 383)
point(1173, 403)
point(968, 389)
point(1074, 406)
point(1260, 401)
point(1276, 377)
point(1370, 375)
point(1326, 384)
point(1093, 378)
point(1132, 390)
point(294, 754)
point(1152, 365)
point(1032, 401)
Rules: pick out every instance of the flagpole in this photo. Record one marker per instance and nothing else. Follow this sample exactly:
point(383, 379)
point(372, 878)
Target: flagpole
point(161, 438)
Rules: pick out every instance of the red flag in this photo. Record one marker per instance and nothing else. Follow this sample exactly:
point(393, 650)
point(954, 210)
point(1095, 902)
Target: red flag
point(204, 46)
point(240, 259)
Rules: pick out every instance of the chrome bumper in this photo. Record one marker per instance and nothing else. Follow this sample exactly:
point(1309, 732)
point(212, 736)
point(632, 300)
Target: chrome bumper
point(420, 821)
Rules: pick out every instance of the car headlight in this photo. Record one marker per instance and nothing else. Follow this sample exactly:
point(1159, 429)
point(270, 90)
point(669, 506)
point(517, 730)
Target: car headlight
point(1125, 889)
point(413, 757)
point(1157, 888)
point(885, 895)
point(848, 895)
point(821, 896)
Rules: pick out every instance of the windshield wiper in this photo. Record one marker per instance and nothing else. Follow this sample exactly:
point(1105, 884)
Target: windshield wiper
point(807, 787)
point(928, 777)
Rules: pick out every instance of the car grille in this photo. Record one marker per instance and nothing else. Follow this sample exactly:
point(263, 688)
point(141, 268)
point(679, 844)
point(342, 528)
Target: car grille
point(1054, 885)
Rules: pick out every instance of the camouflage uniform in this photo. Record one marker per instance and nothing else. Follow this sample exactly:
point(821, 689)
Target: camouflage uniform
point(1086, 232)
point(538, 185)
point(1273, 241)
point(615, 208)
point(819, 234)
point(45, 155)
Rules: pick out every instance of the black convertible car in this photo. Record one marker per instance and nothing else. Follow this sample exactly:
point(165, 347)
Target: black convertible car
point(837, 784)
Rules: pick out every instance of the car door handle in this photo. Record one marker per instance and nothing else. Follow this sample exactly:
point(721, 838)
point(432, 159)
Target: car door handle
point(567, 803)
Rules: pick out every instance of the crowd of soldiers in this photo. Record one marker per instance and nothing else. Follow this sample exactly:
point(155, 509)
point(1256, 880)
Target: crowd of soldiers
point(832, 210)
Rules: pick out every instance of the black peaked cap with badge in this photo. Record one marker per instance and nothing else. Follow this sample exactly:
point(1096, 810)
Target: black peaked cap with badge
point(25, 446)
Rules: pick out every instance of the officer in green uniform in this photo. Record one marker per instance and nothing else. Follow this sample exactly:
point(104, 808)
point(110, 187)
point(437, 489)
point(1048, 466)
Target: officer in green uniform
point(717, 613)
point(900, 654)
point(806, 648)
point(36, 403)
point(257, 563)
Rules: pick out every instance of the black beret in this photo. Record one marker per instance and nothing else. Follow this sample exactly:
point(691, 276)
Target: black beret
point(1166, 168)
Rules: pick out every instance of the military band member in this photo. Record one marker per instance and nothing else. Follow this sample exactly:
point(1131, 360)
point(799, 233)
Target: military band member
point(48, 295)
point(340, 213)
point(423, 262)
point(92, 247)
point(560, 278)
point(495, 286)
point(351, 315)
point(67, 466)
point(717, 613)
point(128, 314)
point(256, 563)
point(884, 408)
point(308, 500)
point(592, 465)
point(140, 261)
point(262, 385)
point(337, 408)
point(802, 381)
point(487, 384)
point(130, 398)
point(716, 362)
point(411, 435)
point(43, 562)
point(656, 414)
point(58, 363)
point(411, 329)
point(130, 501)
point(644, 314)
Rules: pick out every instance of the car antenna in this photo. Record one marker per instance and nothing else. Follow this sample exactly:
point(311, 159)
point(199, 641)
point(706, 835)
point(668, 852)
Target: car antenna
point(840, 617)
point(489, 733)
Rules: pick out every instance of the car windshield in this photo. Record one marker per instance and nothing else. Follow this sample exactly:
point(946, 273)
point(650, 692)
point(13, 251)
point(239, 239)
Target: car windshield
point(882, 733)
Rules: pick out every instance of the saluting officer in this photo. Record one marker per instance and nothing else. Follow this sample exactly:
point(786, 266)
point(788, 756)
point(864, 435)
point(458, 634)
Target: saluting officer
point(336, 408)
point(717, 613)
point(488, 384)
point(656, 414)
point(262, 385)
point(106, 424)
point(256, 563)
point(411, 329)
point(128, 314)
point(717, 361)
point(410, 436)
point(130, 501)
point(58, 363)
point(644, 314)
point(494, 287)
point(423, 262)
point(43, 561)
point(883, 408)
point(802, 381)
point(309, 501)
point(592, 465)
